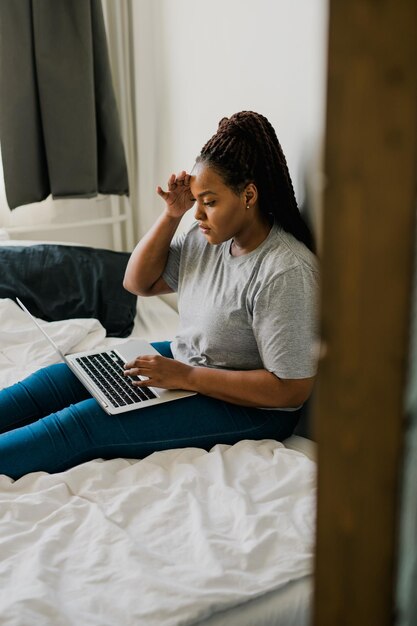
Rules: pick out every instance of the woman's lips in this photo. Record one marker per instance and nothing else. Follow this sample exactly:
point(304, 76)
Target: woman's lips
point(204, 229)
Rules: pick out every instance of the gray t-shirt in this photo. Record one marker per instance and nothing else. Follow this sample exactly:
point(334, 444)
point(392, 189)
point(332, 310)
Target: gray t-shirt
point(256, 311)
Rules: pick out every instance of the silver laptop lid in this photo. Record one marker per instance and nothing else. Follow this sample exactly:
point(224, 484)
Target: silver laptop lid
point(51, 341)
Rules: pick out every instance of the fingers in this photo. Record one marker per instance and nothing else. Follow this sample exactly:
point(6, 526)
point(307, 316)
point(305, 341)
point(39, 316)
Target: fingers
point(137, 371)
point(175, 181)
point(141, 360)
point(138, 376)
point(182, 178)
point(172, 182)
point(156, 371)
point(140, 367)
point(162, 193)
point(179, 191)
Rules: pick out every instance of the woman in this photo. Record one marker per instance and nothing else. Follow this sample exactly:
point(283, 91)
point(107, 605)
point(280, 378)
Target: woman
point(247, 284)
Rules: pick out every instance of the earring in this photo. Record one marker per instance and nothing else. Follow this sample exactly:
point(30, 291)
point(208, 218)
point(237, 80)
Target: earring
point(247, 206)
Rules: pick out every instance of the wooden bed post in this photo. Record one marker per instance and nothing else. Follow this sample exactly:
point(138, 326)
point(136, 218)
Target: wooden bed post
point(367, 252)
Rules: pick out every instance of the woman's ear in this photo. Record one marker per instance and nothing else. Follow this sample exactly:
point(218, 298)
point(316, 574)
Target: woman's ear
point(251, 194)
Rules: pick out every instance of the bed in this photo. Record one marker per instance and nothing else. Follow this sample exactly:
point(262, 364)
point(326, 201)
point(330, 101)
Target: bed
point(217, 538)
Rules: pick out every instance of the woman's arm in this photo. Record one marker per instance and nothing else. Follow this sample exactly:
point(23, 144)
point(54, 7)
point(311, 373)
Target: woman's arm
point(143, 275)
point(144, 270)
point(257, 388)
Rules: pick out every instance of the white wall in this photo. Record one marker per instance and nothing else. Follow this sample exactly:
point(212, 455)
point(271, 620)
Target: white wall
point(196, 62)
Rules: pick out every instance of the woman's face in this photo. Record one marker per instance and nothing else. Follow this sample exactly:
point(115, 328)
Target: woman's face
point(221, 213)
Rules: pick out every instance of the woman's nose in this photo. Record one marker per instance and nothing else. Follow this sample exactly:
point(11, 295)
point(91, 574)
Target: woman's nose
point(199, 213)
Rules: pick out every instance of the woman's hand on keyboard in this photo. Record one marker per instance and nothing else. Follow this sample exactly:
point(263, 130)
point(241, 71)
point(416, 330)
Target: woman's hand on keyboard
point(159, 372)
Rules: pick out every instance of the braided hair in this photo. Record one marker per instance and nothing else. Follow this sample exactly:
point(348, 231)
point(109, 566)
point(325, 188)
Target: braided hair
point(246, 149)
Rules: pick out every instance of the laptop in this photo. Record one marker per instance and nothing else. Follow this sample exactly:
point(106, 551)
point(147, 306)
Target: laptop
point(101, 373)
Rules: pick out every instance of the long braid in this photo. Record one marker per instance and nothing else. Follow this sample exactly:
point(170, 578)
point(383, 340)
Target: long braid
point(246, 149)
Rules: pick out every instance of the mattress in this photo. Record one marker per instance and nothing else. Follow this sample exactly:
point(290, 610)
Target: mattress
point(181, 537)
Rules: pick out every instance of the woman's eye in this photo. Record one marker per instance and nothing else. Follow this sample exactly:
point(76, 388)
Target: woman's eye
point(209, 203)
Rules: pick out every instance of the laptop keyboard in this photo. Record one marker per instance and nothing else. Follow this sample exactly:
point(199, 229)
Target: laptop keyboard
point(106, 369)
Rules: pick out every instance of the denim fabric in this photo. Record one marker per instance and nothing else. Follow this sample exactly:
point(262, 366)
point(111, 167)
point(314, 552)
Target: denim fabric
point(49, 422)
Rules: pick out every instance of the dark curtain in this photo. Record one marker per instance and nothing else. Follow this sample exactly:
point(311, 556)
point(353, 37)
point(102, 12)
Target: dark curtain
point(59, 126)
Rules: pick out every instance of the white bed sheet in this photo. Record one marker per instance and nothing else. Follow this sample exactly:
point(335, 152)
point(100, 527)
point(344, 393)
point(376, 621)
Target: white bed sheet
point(289, 605)
point(181, 537)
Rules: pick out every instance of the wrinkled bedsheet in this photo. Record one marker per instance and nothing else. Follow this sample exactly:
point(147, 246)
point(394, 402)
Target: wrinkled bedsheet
point(166, 540)
point(23, 348)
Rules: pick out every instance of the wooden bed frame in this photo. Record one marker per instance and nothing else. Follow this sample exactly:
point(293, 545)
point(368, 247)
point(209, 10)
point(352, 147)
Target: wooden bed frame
point(367, 261)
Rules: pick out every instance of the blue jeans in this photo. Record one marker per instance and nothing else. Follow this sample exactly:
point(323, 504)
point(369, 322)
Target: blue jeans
point(49, 422)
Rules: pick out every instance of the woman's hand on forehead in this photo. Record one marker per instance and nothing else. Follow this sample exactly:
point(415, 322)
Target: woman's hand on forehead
point(178, 197)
